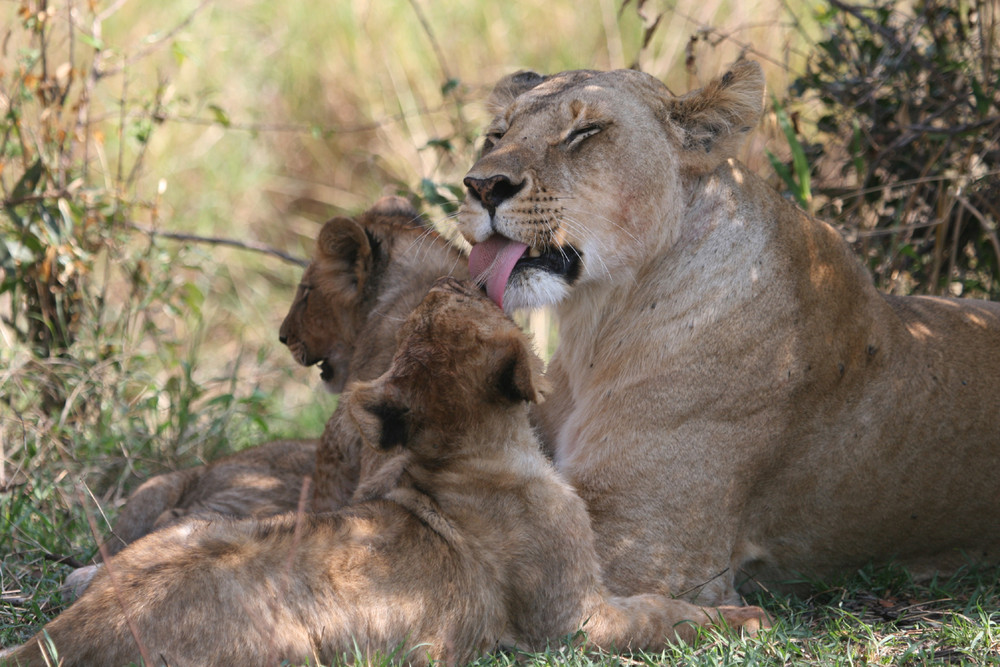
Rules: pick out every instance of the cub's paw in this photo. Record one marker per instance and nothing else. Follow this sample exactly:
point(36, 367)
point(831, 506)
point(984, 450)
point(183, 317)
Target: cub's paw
point(78, 580)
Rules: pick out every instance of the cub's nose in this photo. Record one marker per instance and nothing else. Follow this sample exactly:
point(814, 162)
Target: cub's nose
point(492, 191)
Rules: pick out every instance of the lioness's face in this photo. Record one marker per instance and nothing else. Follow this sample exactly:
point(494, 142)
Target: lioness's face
point(583, 176)
point(575, 182)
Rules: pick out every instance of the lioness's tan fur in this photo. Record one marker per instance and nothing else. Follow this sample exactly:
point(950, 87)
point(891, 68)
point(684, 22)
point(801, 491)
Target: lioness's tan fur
point(477, 543)
point(732, 397)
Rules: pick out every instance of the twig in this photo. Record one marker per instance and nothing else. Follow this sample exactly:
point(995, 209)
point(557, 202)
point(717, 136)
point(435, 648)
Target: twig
point(442, 62)
point(988, 228)
point(744, 46)
point(155, 44)
point(63, 560)
point(887, 231)
point(112, 571)
point(215, 240)
point(438, 53)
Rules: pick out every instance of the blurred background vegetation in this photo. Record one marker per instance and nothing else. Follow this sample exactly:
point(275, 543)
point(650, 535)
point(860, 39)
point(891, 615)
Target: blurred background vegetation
point(134, 136)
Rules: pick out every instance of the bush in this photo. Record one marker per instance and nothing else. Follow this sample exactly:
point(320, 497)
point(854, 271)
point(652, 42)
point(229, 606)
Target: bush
point(906, 148)
point(101, 327)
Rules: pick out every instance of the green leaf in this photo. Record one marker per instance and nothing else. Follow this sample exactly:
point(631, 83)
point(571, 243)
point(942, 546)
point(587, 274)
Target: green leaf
point(20, 223)
point(781, 169)
point(456, 190)
point(983, 100)
point(431, 194)
point(29, 181)
point(91, 41)
point(857, 150)
point(8, 268)
point(193, 297)
point(13, 253)
point(221, 117)
point(444, 144)
point(800, 184)
point(180, 52)
point(55, 229)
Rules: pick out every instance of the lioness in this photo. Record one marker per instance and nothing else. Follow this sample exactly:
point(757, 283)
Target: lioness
point(732, 397)
point(478, 543)
point(366, 275)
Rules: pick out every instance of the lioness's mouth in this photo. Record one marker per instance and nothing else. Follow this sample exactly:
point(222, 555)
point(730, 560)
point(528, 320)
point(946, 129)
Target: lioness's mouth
point(492, 262)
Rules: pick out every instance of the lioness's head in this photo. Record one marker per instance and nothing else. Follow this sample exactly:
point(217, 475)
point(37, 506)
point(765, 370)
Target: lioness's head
point(582, 173)
point(458, 358)
point(342, 283)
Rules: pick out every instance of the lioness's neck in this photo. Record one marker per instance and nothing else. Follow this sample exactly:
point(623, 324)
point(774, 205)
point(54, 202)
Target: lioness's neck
point(680, 290)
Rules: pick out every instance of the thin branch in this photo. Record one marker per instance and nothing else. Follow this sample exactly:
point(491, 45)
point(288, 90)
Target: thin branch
point(438, 53)
point(153, 45)
point(744, 46)
point(988, 227)
point(62, 560)
point(443, 63)
point(215, 240)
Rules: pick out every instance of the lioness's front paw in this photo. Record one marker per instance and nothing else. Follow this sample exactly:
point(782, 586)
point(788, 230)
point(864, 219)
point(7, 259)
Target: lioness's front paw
point(748, 620)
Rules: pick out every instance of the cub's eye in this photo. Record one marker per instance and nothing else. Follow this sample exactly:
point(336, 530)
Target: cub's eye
point(492, 137)
point(579, 134)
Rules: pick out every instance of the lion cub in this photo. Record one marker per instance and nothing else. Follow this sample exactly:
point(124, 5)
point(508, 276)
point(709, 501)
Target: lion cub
point(367, 273)
point(475, 544)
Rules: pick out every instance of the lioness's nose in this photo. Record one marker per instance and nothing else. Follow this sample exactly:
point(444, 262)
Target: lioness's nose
point(492, 191)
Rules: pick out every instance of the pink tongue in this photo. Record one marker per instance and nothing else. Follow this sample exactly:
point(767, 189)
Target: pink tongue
point(491, 262)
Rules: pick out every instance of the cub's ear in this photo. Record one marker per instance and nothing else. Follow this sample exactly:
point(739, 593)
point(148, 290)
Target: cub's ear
point(509, 87)
point(517, 371)
point(382, 421)
point(716, 119)
point(394, 210)
point(347, 248)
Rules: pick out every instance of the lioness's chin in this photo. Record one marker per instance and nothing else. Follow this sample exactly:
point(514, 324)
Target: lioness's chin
point(530, 289)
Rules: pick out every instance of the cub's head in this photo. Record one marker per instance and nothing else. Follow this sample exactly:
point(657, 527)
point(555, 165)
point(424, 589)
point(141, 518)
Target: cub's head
point(459, 363)
point(583, 173)
point(342, 284)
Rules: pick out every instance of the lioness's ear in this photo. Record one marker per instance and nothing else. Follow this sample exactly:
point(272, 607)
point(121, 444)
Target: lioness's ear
point(717, 119)
point(518, 371)
point(509, 87)
point(348, 248)
point(381, 420)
